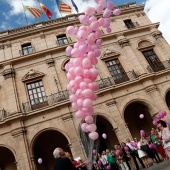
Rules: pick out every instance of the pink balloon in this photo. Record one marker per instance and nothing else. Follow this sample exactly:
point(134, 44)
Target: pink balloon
point(87, 103)
point(83, 19)
point(117, 12)
point(110, 5)
point(78, 71)
point(76, 29)
point(154, 122)
point(70, 30)
point(81, 35)
point(151, 146)
point(84, 126)
point(87, 80)
point(92, 18)
point(87, 93)
point(74, 106)
point(107, 13)
point(98, 33)
point(83, 28)
point(79, 114)
point(117, 153)
point(104, 135)
point(142, 132)
point(126, 148)
point(97, 1)
point(78, 79)
point(89, 11)
point(86, 63)
point(141, 116)
point(80, 102)
point(99, 42)
point(39, 160)
point(77, 62)
point(164, 113)
point(99, 163)
point(94, 25)
point(97, 52)
point(83, 48)
point(93, 135)
point(158, 117)
point(94, 72)
point(101, 21)
point(89, 119)
point(102, 2)
point(87, 73)
point(99, 8)
point(75, 52)
point(94, 151)
point(108, 167)
point(91, 127)
point(83, 85)
point(109, 30)
point(68, 50)
point(73, 98)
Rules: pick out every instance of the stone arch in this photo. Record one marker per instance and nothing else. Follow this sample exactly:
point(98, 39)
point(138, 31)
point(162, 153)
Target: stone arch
point(8, 147)
point(64, 63)
point(142, 99)
point(144, 44)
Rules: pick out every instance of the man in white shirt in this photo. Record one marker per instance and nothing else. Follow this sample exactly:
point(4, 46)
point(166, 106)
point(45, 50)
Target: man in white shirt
point(134, 154)
point(104, 160)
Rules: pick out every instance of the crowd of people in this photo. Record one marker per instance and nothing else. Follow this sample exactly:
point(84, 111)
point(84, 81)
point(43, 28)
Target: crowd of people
point(126, 156)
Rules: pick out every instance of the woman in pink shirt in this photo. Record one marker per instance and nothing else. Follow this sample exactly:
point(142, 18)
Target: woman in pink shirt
point(165, 135)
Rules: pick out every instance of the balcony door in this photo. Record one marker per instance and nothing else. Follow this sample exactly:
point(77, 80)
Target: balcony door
point(153, 60)
point(116, 70)
point(37, 95)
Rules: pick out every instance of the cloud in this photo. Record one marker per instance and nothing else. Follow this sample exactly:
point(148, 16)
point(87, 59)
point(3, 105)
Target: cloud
point(158, 11)
point(81, 4)
point(17, 8)
point(5, 25)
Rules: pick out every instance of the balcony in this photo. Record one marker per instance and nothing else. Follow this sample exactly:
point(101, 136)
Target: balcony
point(158, 66)
point(62, 96)
point(3, 115)
point(27, 51)
point(110, 81)
point(50, 100)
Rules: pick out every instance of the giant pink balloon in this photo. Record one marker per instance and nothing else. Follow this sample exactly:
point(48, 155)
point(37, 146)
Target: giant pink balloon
point(93, 135)
point(89, 119)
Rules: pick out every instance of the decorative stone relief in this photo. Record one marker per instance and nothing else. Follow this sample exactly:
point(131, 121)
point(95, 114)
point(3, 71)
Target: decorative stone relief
point(109, 54)
point(124, 42)
point(18, 132)
point(157, 35)
point(32, 74)
point(50, 62)
point(8, 73)
point(110, 102)
point(67, 117)
point(151, 88)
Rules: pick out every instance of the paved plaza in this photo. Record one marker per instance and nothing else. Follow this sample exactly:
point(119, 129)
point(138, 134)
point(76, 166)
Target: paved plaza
point(165, 165)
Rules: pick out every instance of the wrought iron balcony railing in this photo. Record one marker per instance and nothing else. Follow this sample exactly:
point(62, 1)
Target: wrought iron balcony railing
point(158, 66)
point(64, 95)
point(3, 114)
point(50, 100)
point(27, 51)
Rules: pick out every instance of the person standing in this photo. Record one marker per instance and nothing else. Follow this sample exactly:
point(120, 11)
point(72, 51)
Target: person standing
point(165, 135)
point(111, 160)
point(134, 154)
point(104, 160)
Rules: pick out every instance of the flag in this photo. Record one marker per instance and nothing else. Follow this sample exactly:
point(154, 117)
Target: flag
point(64, 8)
point(46, 10)
point(75, 6)
point(34, 11)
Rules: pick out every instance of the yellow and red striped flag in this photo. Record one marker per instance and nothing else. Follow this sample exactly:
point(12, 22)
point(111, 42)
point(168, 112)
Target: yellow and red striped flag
point(34, 11)
point(65, 8)
point(46, 10)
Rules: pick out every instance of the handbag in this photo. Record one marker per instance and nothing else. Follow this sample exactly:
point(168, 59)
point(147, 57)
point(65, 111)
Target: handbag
point(144, 147)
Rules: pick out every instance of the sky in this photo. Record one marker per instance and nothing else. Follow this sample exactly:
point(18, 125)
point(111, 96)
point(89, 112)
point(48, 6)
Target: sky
point(12, 15)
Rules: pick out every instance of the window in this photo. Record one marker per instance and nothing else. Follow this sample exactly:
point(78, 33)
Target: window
point(37, 95)
point(62, 39)
point(27, 49)
point(129, 23)
point(153, 60)
point(116, 70)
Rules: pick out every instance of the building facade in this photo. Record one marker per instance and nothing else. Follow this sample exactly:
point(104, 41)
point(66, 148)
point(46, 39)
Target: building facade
point(36, 114)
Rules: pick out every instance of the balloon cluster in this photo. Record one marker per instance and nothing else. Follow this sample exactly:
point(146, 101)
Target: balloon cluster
point(159, 117)
point(81, 71)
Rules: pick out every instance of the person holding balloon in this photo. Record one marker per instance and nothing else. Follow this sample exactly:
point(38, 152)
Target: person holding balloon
point(165, 135)
point(111, 160)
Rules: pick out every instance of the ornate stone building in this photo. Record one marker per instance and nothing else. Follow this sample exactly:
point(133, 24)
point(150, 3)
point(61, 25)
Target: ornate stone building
point(36, 115)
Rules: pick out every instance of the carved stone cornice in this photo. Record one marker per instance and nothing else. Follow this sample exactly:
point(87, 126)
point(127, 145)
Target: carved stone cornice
point(50, 62)
point(110, 102)
point(67, 117)
point(124, 42)
point(18, 132)
point(157, 35)
point(8, 73)
point(150, 89)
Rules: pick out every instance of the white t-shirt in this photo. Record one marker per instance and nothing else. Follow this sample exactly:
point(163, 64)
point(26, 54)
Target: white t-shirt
point(130, 146)
point(104, 159)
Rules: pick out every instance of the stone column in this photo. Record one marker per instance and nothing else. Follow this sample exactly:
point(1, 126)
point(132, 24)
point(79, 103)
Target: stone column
point(132, 59)
point(22, 151)
point(53, 80)
point(10, 89)
point(122, 132)
point(76, 146)
point(161, 41)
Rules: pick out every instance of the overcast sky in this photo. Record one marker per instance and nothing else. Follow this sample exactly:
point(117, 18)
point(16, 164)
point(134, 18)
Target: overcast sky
point(12, 15)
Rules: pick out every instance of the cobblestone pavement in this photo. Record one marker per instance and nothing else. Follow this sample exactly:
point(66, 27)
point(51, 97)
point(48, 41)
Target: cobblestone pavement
point(165, 165)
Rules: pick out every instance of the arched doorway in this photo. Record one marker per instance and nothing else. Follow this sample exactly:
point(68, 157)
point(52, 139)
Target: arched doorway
point(104, 126)
point(168, 99)
point(44, 146)
point(134, 122)
point(7, 159)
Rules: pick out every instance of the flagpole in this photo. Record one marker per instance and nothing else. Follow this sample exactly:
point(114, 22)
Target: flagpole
point(58, 6)
point(25, 14)
point(41, 9)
